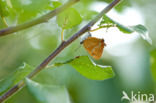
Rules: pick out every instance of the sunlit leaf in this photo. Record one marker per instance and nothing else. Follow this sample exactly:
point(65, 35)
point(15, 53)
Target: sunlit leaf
point(88, 14)
point(140, 29)
point(15, 77)
point(95, 72)
point(69, 18)
point(28, 9)
point(89, 69)
point(122, 28)
point(54, 5)
point(2, 25)
point(3, 9)
point(48, 93)
point(153, 64)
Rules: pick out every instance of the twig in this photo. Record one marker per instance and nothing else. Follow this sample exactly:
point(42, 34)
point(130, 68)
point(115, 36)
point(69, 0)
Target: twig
point(103, 26)
point(39, 20)
point(63, 45)
point(62, 34)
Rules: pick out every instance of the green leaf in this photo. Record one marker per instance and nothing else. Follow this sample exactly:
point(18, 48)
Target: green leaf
point(88, 69)
point(28, 9)
point(3, 9)
point(122, 28)
point(31, 6)
point(88, 14)
point(153, 64)
point(15, 77)
point(140, 29)
point(48, 93)
point(2, 25)
point(54, 5)
point(69, 18)
point(95, 72)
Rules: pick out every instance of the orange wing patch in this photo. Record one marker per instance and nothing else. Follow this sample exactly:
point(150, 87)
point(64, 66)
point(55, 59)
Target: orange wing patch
point(94, 46)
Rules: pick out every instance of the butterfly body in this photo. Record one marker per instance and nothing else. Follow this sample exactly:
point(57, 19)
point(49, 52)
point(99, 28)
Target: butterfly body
point(94, 46)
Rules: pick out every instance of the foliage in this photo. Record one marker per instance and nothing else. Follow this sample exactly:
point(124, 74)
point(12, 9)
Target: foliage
point(15, 77)
point(36, 43)
point(69, 18)
point(140, 29)
point(3, 9)
point(90, 70)
point(48, 93)
point(153, 64)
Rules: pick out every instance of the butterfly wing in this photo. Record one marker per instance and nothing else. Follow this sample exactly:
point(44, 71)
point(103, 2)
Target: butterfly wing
point(90, 43)
point(97, 51)
point(94, 46)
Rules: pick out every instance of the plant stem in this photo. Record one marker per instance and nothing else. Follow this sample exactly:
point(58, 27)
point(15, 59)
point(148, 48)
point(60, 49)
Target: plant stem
point(104, 26)
point(62, 34)
point(63, 45)
point(39, 20)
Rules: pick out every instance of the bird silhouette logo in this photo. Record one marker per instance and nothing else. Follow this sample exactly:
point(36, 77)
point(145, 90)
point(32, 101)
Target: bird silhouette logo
point(125, 96)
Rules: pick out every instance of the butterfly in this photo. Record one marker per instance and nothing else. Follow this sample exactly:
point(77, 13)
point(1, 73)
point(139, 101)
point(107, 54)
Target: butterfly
point(94, 46)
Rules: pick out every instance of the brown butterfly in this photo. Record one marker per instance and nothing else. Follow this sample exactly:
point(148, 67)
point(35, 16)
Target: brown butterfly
point(94, 46)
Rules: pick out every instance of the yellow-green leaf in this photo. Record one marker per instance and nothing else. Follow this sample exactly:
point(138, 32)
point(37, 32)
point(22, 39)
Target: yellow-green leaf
point(91, 71)
point(15, 77)
point(69, 18)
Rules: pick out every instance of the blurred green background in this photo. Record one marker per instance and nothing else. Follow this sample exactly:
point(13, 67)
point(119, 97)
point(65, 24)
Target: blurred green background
point(134, 71)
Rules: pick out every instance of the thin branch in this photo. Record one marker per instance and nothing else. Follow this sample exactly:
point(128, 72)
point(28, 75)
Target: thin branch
point(62, 35)
point(39, 20)
point(63, 45)
point(103, 26)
